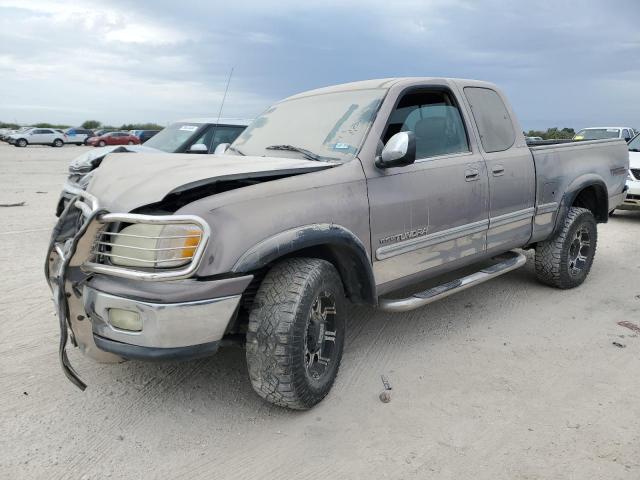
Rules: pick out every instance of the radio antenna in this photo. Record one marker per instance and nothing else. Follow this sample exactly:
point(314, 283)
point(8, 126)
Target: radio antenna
point(224, 97)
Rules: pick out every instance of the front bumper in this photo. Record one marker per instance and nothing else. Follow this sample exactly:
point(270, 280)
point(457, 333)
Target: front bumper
point(632, 199)
point(165, 326)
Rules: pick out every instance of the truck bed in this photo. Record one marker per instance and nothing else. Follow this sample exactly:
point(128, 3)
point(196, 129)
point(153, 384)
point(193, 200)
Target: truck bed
point(563, 167)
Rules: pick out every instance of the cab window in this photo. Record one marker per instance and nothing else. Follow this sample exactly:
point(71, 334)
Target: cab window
point(434, 118)
point(492, 118)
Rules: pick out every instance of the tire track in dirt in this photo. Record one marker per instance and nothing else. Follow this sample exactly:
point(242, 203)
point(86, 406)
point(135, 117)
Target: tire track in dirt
point(153, 390)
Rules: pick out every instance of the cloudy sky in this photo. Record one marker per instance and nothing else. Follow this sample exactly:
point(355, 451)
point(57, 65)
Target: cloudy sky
point(561, 63)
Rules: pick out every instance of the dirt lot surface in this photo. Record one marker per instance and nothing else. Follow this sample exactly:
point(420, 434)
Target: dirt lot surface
point(509, 380)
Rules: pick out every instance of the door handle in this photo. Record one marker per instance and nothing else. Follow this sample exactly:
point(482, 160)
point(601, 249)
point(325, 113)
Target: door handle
point(471, 175)
point(498, 170)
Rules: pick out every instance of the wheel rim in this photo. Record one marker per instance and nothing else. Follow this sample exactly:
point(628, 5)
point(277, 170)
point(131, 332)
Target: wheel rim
point(320, 337)
point(579, 251)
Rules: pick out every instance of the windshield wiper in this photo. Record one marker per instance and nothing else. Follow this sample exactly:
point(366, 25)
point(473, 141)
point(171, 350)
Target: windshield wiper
point(234, 149)
point(308, 154)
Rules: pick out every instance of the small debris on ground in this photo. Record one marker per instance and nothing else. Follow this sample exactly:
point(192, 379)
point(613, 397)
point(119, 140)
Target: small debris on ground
point(25, 393)
point(385, 395)
point(619, 345)
point(631, 326)
point(41, 192)
point(20, 204)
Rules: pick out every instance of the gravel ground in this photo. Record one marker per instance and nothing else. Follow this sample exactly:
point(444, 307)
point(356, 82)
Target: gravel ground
point(509, 380)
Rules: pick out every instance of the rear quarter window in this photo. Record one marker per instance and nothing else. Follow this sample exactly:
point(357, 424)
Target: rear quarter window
point(492, 118)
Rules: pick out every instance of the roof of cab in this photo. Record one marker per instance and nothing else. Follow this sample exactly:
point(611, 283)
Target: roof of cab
point(383, 83)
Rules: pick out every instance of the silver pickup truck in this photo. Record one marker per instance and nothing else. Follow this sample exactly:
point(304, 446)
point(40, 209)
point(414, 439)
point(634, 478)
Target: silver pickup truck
point(343, 194)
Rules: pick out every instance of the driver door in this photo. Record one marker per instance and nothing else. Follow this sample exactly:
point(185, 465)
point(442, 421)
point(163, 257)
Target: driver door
point(435, 211)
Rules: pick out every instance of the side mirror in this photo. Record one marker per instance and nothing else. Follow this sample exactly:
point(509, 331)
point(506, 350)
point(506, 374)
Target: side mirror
point(221, 148)
point(399, 151)
point(198, 148)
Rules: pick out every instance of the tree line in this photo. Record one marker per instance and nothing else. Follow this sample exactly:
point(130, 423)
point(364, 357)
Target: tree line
point(553, 133)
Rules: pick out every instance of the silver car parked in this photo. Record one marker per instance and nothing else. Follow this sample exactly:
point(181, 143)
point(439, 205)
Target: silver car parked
point(38, 136)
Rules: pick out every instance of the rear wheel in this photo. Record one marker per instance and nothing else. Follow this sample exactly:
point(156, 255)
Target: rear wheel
point(296, 333)
point(565, 260)
point(129, 142)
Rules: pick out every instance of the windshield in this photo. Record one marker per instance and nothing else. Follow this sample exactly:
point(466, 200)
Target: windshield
point(172, 138)
point(330, 125)
point(597, 133)
point(634, 145)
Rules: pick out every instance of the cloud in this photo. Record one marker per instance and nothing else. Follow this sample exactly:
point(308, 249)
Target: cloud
point(561, 63)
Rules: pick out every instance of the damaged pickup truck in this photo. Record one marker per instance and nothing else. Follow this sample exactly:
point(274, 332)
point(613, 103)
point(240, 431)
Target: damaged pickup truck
point(343, 194)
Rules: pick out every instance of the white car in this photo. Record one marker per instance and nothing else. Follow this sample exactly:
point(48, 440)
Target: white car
point(78, 136)
point(632, 201)
point(599, 133)
point(38, 136)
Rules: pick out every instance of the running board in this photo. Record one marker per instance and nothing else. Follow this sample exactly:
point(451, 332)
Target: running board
point(507, 262)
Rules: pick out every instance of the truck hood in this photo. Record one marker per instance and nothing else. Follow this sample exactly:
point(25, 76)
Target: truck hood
point(634, 159)
point(91, 159)
point(125, 181)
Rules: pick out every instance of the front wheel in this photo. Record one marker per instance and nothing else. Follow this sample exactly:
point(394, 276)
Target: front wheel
point(58, 143)
point(564, 261)
point(102, 143)
point(21, 143)
point(130, 142)
point(296, 333)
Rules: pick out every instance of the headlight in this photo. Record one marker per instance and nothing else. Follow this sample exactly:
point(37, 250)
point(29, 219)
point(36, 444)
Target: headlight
point(155, 246)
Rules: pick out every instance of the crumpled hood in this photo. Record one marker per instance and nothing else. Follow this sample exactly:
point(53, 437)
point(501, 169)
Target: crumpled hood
point(634, 159)
point(90, 159)
point(125, 182)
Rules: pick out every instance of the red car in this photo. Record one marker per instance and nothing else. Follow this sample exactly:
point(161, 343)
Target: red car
point(113, 138)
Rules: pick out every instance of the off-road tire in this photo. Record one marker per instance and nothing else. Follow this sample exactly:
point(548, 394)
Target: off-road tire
point(277, 337)
point(553, 257)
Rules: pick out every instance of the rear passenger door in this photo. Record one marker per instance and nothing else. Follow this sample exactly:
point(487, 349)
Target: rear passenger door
point(510, 168)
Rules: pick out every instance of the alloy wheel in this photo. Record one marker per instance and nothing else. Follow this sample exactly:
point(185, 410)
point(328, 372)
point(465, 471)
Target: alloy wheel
point(320, 336)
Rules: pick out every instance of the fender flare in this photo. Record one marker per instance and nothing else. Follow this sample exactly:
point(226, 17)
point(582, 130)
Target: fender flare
point(331, 242)
point(572, 191)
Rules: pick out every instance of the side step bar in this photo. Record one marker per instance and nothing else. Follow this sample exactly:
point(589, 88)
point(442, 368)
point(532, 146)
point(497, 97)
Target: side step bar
point(506, 262)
